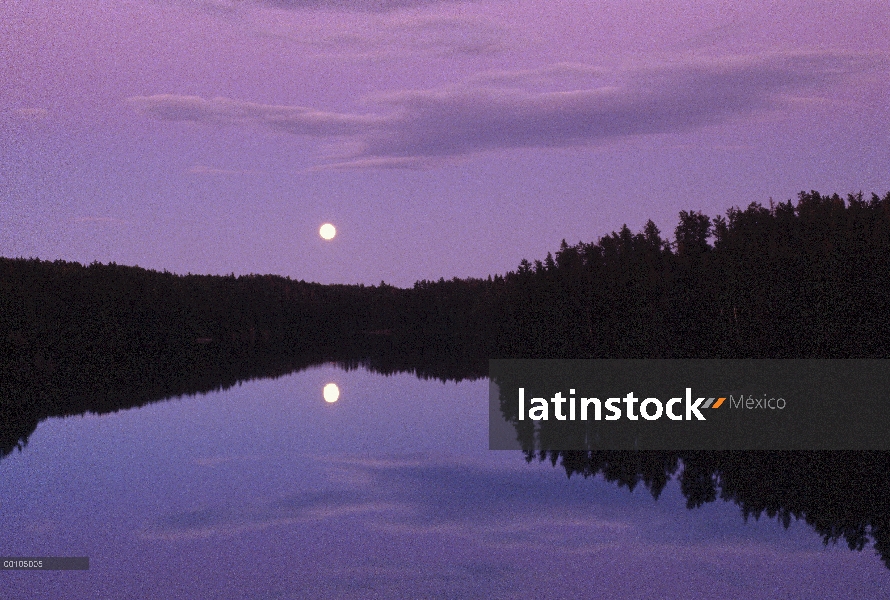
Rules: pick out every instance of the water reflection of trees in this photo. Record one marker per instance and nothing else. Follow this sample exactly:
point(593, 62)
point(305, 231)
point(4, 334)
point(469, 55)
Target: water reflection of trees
point(40, 383)
point(842, 495)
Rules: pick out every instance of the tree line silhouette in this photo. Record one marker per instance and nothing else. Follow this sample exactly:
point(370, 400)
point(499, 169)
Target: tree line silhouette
point(804, 280)
point(791, 280)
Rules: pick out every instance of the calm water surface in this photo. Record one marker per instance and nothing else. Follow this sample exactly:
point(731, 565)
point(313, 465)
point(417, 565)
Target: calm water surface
point(268, 491)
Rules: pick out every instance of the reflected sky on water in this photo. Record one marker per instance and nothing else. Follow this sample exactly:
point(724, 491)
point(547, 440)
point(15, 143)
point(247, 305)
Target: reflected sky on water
point(268, 491)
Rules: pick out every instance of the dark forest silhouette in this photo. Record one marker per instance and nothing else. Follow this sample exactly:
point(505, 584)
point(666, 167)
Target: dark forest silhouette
point(805, 281)
point(809, 279)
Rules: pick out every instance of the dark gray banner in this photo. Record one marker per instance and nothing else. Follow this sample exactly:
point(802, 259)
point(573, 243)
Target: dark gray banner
point(45, 563)
point(665, 404)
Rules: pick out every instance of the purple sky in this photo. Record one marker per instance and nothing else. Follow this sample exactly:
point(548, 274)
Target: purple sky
point(442, 139)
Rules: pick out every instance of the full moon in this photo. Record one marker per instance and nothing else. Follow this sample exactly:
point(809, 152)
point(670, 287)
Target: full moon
point(331, 393)
point(327, 231)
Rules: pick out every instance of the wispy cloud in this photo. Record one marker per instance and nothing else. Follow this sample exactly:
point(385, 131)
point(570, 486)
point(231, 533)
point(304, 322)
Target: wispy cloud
point(445, 34)
point(564, 105)
point(565, 73)
point(355, 5)
point(665, 98)
point(292, 119)
point(359, 6)
point(99, 220)
point(30, 114)
point(384, 162)
point(210, 171)
point(396, 35)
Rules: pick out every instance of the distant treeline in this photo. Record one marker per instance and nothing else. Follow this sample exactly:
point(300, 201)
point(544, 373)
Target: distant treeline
point(807, 279)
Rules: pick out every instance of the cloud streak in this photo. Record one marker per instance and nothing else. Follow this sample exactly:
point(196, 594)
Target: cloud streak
point(291, 119)
point(213, 171)
point(537, 108)
point(355, 5)
point(99, 220)
point(31, 114)
point(399, 36)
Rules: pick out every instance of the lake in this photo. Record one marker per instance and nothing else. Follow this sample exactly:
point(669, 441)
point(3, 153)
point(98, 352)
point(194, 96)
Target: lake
point(265, 490)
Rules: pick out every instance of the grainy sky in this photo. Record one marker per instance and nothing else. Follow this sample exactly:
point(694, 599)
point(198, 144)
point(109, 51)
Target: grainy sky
point(442, 139)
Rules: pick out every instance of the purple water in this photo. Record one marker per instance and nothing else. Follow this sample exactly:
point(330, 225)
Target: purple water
point(267, 491)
